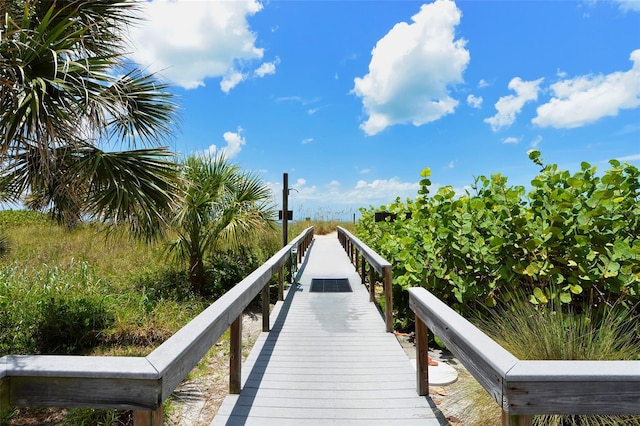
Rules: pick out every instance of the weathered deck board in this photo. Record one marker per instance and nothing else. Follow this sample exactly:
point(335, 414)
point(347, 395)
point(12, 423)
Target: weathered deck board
point(327, 360)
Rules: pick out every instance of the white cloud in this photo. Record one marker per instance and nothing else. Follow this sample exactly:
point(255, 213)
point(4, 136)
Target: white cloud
point(189, 41)
point(482, 84)
point(364, 193)
point(231, 80)
point(474, 101)
point(451, 165)
point(267, 68)
point(365, 171)
point(234, 144)
point(629, 5)
point(509, 107)
point(583, 100)
point(306, 141)
point(411, 69)
point(511, 139)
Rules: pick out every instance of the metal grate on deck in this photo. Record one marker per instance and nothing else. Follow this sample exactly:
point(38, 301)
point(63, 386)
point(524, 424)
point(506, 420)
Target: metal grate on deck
point(330, 285)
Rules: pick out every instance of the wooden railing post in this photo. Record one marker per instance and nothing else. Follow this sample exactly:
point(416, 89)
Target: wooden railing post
point(266, 295)
point(148, 418)
point(372, 284)
point(508, 420)
point(235, 356)
point(388, 307)
point(422, 357)
point(281, 284)
point(363, 266)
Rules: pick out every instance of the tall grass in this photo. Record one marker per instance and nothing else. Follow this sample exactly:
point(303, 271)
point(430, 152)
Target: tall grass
point(319, 227)
point(547, 332)
point(78, 292)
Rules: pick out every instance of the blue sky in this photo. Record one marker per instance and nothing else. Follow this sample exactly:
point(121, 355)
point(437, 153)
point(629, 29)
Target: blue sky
point(354, 98)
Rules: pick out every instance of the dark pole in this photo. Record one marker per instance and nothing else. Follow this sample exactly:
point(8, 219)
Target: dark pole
point(285, 208)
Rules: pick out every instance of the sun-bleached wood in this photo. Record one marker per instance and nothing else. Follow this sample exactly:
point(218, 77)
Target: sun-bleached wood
point(422, 357)
point(352, 245)
point(525, 388)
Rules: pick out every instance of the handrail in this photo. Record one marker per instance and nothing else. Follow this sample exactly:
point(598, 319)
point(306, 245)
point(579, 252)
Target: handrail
point(352, 245)
point(142, 384)
point(524, 388)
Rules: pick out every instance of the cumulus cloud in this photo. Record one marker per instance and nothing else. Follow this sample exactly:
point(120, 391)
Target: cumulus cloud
point(411, 69)
point(234, 143)
point(583, 100)
point(509, 107)
point(364, 193)
point(189, 41)
point(474, 101)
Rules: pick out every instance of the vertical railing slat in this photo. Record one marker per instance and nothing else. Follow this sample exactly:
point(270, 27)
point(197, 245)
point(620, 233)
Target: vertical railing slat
point(422, 357)
point(235, 356)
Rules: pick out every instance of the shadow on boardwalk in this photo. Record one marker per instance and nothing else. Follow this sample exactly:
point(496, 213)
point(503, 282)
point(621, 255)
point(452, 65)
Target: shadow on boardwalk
point(327, 359)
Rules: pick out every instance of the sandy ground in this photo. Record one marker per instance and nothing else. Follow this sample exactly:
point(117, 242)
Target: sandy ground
point(196, 401)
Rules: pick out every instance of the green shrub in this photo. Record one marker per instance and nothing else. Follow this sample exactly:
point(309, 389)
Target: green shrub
point(577, 233)
point(70, 324)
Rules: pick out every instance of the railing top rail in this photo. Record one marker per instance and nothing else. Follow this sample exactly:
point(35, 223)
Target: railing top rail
point(166, 366)
point(374, 259)
point(524, 387)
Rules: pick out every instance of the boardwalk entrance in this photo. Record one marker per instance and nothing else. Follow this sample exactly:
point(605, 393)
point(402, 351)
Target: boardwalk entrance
point(328, 359)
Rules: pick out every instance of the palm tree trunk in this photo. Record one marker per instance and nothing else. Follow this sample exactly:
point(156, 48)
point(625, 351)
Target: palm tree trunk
point(196, 274)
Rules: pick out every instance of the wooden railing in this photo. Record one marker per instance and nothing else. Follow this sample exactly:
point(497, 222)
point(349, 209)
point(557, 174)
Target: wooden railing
point(143, 384)
point(524, 388)
point(361, 255)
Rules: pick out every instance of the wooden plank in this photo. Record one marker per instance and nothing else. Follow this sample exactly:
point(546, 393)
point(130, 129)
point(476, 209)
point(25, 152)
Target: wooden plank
point(422, 357)
point(178, 355)
point(330, 361)
point(72, 381)
point(374, 259)
point(388, 296)
point(510, 420)
point(573, 387)
point(120, 394)
point(487, 361)
point(235, 356)
point(266, 307)
point(148, 418)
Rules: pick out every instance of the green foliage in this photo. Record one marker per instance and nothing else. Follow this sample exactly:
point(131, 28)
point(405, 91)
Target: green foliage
point(13, 218)
point(573, 238)
point(68, 87)
point(221, 208)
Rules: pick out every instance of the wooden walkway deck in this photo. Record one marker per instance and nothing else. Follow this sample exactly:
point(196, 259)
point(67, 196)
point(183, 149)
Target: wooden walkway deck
point(327, 359)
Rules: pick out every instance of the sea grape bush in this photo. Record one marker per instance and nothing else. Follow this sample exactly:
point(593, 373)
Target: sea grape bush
point(572, 238)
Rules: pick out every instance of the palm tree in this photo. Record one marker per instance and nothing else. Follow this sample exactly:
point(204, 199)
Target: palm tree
point(68, 91)
point(221, 208)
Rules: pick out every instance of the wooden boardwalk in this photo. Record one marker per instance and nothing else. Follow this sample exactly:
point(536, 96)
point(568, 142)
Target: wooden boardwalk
point(327, 359)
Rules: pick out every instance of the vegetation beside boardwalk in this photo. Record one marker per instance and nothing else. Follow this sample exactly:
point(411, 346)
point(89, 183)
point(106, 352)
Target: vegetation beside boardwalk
point(552, 273)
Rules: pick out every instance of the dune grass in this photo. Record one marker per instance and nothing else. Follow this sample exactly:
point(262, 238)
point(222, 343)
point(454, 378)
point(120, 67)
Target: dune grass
point(549, 332)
